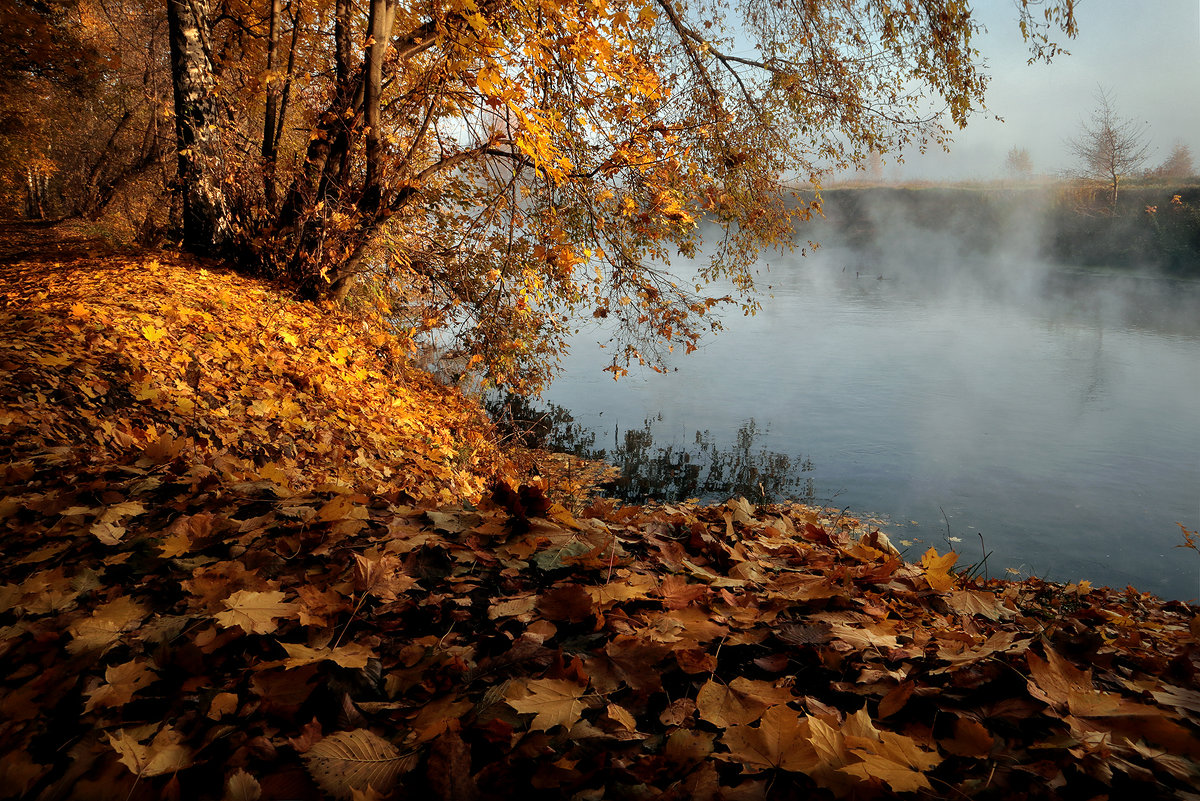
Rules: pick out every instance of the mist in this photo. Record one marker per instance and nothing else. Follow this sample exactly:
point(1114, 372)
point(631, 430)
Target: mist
point(934, 366)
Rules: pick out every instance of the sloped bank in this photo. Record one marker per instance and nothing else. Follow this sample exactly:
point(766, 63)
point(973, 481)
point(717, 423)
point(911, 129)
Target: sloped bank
point(240, 566)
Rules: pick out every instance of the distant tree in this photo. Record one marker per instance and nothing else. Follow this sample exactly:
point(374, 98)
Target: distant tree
point(1178, 165)
point(1019, 164)
point(1109, 147)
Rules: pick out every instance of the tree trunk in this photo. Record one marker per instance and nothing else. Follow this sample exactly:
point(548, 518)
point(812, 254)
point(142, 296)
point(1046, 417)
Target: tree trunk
point(206, 224)
point(272, 109)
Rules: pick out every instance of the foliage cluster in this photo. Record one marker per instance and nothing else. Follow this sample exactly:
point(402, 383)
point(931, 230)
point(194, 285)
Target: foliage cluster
point(185, 611)
point(134, 361)
point(519, 162)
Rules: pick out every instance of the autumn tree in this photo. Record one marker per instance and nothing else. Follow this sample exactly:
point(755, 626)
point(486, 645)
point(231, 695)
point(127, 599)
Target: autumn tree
point(1109, 147)
point(83, 86)
point(523, 161)
point(1019, 164)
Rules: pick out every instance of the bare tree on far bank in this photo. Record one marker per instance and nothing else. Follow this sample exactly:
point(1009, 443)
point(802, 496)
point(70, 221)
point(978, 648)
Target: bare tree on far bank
point(1109, 147)
point(1019, 164)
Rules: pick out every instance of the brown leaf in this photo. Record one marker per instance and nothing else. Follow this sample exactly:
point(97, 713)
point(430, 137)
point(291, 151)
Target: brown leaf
point(554, 702)
point(121, 682)
point(163, 754)
point(780, 741)
point(975, 602)
point(568, 602)
point(241, 786)
point(678, 593)
point(255, 612)
point(741, 702)
point(1054, 679)
point(796, 634)
point(104, 627)
point(346, 762)
point(896, 698)
point(449, 770)
point(352, 655)
point(971, 739)
point(382, 576)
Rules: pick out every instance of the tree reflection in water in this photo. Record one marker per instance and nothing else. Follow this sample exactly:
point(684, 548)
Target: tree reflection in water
point(668, 472)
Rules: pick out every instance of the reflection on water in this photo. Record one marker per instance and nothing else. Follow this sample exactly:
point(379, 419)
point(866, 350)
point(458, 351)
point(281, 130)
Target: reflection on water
point(650, 470)
point(1054, 412)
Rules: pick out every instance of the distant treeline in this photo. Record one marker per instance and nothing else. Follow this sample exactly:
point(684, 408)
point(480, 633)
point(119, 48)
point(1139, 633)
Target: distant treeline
point(1152, 227)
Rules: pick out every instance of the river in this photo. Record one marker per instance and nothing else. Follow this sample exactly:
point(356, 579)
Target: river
point(1050, 418)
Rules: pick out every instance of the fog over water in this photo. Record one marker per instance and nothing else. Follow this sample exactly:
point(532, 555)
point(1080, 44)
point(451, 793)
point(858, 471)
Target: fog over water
point(942, 376)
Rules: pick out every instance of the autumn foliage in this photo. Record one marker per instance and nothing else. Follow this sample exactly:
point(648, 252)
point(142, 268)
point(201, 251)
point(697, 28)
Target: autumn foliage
point(249, 555)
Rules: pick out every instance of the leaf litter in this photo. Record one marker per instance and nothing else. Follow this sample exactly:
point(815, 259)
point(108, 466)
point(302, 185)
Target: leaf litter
point(252, 554)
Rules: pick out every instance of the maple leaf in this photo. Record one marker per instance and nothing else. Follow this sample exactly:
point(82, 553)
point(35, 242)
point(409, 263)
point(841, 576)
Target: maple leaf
point(741, 702)
point(255, 612)
point(353, 655)
point(975, 602)
point(1054, 679)
point(153, 332)
point(937, 570)
point(678, 593)
point(381, 576)
point(900, 777)
point(122, 681)
point(105, 625)
point(781, 740)
point(554, 702)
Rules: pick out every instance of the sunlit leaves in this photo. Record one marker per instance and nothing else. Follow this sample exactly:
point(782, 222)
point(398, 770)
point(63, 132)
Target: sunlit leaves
point(252, 627)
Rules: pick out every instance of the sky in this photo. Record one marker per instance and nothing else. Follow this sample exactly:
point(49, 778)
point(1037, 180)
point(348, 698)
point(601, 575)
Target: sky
point(1147, 53)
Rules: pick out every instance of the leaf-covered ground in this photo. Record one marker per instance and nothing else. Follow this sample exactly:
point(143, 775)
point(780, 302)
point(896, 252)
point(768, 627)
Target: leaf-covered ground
point(250, 553)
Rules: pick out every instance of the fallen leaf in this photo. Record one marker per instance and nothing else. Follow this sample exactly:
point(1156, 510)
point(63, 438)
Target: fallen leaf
point(346, 762)
point(255, 612)
point(554, 702)
point(781, 740)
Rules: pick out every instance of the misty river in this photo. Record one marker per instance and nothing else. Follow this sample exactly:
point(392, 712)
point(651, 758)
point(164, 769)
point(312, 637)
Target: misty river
point(1051, 417)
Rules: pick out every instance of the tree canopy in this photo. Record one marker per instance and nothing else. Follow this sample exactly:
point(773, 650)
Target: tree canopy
point(523, 162)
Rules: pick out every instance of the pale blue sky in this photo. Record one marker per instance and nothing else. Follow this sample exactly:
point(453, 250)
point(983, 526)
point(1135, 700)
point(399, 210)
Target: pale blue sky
point(1147, 53)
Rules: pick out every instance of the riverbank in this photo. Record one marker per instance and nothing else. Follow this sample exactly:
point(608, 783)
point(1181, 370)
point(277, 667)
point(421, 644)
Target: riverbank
point(251, 552)
point(1154, 228)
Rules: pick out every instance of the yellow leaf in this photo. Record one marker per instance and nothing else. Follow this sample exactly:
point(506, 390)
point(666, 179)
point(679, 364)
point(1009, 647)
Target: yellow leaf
point(153, 332)
point(937, 570)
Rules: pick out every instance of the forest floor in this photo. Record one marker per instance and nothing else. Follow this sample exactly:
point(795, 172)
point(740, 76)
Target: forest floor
point(251, 552)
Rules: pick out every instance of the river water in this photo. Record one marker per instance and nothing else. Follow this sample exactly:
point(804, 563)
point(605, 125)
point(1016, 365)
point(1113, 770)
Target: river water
point(1049, 417)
